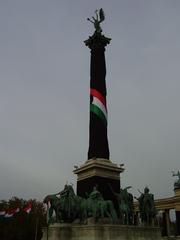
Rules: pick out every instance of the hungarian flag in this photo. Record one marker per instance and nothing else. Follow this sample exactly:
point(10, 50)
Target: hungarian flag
point(28, 208)
point(11, 212)
point(98, 105)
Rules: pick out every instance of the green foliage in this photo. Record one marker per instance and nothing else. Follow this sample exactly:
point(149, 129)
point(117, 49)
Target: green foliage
point(22, 225)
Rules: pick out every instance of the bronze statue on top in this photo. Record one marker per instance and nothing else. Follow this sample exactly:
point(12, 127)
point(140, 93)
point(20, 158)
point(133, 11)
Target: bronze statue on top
point(97, 39)
point(97, 20)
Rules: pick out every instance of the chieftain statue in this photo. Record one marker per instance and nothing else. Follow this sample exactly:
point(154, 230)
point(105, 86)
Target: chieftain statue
point(125, 205)
point(69, 207)
point(146, 206)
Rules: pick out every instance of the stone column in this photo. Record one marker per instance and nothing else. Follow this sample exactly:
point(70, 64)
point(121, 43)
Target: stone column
point(98, 140)
point(166, 223)
point(159, 218)
point(178, 223)
point(136, 218)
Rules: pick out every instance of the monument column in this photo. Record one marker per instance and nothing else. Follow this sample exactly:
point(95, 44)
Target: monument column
point(98, 170)
point(98, 140)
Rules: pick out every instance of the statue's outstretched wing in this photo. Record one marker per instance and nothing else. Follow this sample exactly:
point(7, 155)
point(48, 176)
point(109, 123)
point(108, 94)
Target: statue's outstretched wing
point(101, 15)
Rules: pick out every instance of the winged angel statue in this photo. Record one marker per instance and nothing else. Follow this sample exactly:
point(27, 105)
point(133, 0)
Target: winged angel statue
point(97, 20)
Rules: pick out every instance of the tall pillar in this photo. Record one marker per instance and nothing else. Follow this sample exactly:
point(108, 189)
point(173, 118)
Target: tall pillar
point(98, 169)
point(98, 140)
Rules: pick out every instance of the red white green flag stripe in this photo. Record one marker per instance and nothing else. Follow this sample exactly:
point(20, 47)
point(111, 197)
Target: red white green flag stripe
point(98, 105)
point(28, 208)
point(11, 213)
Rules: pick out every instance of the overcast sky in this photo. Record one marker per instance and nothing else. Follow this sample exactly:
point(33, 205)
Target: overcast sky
point(44, 92)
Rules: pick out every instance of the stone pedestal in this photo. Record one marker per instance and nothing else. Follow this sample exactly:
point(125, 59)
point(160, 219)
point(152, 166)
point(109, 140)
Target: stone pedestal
point(100, 172)
point(100, 232)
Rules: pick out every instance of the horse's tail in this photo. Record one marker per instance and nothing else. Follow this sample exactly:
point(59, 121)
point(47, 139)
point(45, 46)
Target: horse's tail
point(111, 209)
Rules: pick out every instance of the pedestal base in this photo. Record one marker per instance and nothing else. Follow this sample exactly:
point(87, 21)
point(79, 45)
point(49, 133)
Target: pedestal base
point(101, 173)
point(100, 232)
